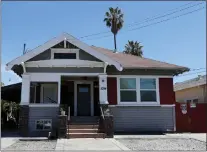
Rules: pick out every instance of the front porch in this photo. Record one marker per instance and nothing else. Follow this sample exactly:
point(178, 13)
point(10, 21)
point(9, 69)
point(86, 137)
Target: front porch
point(80, 96)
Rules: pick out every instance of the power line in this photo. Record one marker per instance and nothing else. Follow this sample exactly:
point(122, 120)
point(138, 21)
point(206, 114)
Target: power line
point(150, 18)
point(191, 73)
point(154, 23)
point(167, 14)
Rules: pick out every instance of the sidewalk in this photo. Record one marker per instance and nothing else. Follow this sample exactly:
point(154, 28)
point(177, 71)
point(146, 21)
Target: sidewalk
point(7, 141)
point(89, 144)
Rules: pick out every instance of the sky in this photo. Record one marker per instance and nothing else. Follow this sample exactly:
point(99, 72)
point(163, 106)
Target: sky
point(180, 40)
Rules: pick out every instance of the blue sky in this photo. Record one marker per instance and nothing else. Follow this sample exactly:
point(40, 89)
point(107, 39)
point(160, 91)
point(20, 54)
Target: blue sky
point(179, 41)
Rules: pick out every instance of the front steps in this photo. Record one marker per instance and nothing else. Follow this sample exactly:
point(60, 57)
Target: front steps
point(84, 127)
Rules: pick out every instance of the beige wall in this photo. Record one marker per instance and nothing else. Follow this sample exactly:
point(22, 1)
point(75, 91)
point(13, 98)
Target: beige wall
point(191, 93)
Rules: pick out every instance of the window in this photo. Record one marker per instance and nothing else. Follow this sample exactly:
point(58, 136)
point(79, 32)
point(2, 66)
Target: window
point(148, 90)
point(58, 53)
point(45, 124)
point(138, 90)
point(64, 55)
point(128, 90)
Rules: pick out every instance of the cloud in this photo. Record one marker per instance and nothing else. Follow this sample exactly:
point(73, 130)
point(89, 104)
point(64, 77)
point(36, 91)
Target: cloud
point(9, 77)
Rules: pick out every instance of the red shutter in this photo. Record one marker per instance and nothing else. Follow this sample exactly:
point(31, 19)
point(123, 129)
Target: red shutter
point(112, 90)
point(167, 94)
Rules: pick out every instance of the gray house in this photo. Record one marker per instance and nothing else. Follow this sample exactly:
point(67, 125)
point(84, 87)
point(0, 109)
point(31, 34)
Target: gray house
point(65, 71)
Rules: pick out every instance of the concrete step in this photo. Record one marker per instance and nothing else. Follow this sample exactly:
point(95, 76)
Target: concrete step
point(86, 135)
point(83, 130)
point(83, 126)
point(77, 119)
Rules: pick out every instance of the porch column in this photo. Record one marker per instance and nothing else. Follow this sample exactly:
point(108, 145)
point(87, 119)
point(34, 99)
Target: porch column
point(25, 92)
point(59, 89)
point(103, 97)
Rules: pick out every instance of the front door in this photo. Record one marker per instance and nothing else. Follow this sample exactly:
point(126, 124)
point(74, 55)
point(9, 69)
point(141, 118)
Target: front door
point(83, 100)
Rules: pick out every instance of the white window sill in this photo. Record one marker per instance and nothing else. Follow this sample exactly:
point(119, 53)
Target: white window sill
point(43, 105)
point(141, 105)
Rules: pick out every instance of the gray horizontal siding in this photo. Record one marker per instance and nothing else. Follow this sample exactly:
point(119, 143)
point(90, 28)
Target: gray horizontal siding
point(65, 70)
point(36, 113)
point(137, 119)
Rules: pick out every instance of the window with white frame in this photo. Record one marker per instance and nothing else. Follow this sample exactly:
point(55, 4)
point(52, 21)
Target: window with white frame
point(43, 124)
point(64, 53)
point(138, 90)
point(148, 92)
point(128, 90)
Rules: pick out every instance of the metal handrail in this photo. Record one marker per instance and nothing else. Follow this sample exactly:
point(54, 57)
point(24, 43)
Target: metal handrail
point(68, 112)
point(53, 101)
point(102, 113)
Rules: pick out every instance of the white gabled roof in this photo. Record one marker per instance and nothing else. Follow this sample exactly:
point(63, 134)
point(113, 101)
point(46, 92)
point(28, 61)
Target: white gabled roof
point(56, 40)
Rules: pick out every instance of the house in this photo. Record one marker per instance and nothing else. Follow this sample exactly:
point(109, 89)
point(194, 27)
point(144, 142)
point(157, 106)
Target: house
point(193, 90)
point(191, 105)
point(64, 70)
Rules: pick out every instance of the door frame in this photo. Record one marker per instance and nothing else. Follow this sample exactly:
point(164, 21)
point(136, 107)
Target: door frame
point(75, 95)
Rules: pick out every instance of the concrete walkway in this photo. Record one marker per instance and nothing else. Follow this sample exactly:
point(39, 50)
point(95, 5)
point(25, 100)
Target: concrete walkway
point(89, 144)
point(8, 141)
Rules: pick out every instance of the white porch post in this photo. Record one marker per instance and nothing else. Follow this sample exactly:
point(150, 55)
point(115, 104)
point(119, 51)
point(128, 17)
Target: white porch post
point(25, 92)
point(59, 89)
point(103, 97)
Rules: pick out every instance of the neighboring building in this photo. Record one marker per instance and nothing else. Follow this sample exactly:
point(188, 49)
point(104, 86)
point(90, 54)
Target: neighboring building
point(64, 70)
point(193, 90)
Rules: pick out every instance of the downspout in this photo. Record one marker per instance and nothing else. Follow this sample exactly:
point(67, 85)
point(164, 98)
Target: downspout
point(24, 69)
point(105, 66)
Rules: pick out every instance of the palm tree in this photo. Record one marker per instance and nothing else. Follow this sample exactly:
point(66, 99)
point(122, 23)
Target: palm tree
point(133, 48)
point(114, 20)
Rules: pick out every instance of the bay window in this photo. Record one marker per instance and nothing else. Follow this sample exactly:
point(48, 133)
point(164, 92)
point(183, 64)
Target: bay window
point(138, 90)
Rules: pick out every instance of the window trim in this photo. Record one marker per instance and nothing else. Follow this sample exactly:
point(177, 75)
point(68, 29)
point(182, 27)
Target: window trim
point(138, 102)
point(54, 50)
point(127, 90)
point(43, 125)
point(148, 90)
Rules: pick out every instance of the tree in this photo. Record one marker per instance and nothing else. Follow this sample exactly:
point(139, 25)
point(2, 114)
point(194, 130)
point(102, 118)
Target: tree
point(114, 20)
point(133, 48)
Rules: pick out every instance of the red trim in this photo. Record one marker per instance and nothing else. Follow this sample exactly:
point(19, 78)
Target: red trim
point(112, 90)
point(167, 95)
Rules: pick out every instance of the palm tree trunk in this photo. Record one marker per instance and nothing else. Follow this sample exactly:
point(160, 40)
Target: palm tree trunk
point(114, 42)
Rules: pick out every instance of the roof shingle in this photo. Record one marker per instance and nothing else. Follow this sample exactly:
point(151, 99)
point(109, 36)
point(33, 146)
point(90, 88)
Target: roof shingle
point(131, 61)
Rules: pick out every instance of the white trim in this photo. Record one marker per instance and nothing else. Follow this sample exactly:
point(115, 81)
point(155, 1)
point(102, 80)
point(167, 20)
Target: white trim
point(75, 95)
point(138, 100)
point(25, 89)
point(43, 105)
point(64, 63)
point(72, 40)
point(141, 105)
point(174, 118)
point(60, 50)
point(145, 76)
point(54, 77)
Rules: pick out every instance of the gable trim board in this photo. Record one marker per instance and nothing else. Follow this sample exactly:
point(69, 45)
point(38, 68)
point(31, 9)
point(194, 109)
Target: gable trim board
point(64, 63)
point(56, 40)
